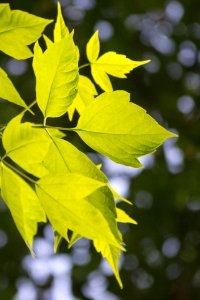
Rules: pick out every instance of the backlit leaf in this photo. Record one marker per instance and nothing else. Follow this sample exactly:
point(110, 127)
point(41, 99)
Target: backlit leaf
point(109, 63)
point(111, 254)
point(60, 30)
point(121, 130)
point(56, 72)
point(21, 139)
point(85, 95)
point(122, 217)
point(23, 204)
point(18, 29)
point(8, 91)
point(93, 48)
point(68, 203)
point(62, 157)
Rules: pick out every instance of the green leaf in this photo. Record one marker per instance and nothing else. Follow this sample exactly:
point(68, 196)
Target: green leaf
point(60, 30)
point(56, 72)
point(111, 254)
point(8, 91)
point(23, 204)
point(68, 203)
point(19, 29)
point(85, 95)
point(27, 146)
point(109, 63)
point(121, 130)
point(49, 154)
point(122, 217)
point(101, 78)
point(93, 48)
point(62, 156)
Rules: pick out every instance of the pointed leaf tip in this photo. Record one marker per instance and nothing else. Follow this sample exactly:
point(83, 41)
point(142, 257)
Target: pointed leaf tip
point(128, 135)
point(93, 47)
point(60, 29)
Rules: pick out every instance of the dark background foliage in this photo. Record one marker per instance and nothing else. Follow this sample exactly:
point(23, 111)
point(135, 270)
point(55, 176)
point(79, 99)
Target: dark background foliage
point(162, 259)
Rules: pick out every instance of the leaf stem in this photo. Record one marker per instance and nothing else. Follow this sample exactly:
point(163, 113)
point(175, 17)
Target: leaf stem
point(29, 106)
point(83, 66)
point(59, 128)
point(18, 171)
point(45, 122)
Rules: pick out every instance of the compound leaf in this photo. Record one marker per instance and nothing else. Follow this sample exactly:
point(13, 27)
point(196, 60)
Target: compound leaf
point(56, 72)
point(85, 95)
point(18, 29)
point(23, 204)
point(121, 130)
point(109, 63)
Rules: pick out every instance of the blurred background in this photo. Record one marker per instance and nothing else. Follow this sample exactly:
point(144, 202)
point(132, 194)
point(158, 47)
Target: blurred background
point(163, 251)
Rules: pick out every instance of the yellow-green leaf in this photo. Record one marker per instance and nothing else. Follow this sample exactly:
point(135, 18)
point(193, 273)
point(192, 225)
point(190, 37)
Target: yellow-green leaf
point(117, 64)
point(93, 48)
point(101, 78)
point(23, 204)
point(109, 63)
point(56, 72)
point(85, 95)
point(68, 203)
point(18, 29)
point(111, 254)
point(26, 145)
point(62, 156)
point(60, 30)
point(122, 217)
point(8, 91)
point(121, 130)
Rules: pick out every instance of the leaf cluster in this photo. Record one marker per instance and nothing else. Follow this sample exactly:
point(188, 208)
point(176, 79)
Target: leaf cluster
point(68, 189)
